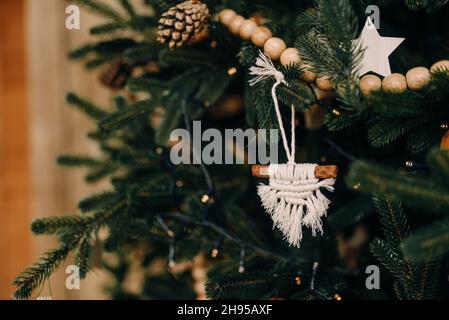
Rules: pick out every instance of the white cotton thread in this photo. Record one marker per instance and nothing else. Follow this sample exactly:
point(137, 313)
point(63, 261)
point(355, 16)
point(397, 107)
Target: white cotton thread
point(293, 197)
point(264, 69)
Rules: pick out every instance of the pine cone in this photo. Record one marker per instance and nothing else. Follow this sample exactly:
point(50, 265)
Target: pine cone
point(116, 75)
point(187, 22)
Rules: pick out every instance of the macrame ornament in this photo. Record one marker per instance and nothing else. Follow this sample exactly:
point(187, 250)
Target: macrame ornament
point(293, 197)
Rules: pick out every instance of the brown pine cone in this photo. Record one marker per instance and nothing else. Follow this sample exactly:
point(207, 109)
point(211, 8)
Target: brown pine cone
point(116, 75)
point(187, 22)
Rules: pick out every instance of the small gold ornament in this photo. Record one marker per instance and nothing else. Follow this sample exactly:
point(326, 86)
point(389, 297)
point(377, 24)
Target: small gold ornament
point(187, 22)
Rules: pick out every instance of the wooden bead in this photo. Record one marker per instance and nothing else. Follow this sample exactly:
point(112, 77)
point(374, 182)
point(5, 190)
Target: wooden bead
point(226, 15)
point(440, 66)
point(290, 56)
point(324, 83)
point(395, 82)
point(370, 83)
point(234, 25)
point(308, 76)
point(417, 78)
point(247, 28)
point(274, 47)
point(260, 36)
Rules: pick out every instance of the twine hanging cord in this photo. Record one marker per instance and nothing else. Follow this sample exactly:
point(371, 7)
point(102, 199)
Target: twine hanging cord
point(264, 69)
point(293, 197)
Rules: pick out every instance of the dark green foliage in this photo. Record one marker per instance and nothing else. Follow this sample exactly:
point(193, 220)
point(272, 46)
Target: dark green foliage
point(250, 285)
point(156, 209)
point(82, 259)
point(413, 281)
point(411, 188)
point(432, 240)
point(77, 161)
point(98, 201)
point(85, 106)
point(33, 277)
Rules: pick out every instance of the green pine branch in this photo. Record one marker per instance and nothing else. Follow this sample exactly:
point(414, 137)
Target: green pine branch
point(34, 276)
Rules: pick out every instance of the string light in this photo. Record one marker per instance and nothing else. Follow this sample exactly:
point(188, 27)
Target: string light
point(179, 184)
point(205, 198)
point(170, 233)
point(232, 71)
point(242, 259)
point(298, 280)
point(214, 253)
point(164, 226)
point(216, 250)
point(444, 126)
point(337, 297)
point(336, 112)
point(409, 164)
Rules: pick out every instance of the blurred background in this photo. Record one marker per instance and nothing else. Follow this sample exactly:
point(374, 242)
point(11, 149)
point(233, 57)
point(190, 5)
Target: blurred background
point(36, 125)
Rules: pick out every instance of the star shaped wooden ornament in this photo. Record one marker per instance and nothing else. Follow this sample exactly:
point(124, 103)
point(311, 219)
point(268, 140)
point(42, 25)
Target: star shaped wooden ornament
point(377, 50)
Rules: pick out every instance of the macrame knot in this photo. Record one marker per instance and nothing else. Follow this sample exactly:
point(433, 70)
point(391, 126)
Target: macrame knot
point(293, 199)
point(264, 69)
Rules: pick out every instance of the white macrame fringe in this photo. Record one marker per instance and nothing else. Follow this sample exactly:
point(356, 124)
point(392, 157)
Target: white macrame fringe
point(293, 199)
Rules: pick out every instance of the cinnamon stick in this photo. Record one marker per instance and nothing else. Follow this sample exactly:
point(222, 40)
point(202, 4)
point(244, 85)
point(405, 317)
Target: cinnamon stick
point(321, 172)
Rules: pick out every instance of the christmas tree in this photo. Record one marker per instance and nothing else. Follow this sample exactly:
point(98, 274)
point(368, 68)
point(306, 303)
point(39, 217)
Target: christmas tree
point(376, 107)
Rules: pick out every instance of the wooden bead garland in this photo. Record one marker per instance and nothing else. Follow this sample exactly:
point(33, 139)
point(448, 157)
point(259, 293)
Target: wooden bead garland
point(417, 78)
point(234, 25)
point(246, 29)
point(275, 48)
point(290, 56)
point(370, 83)
point(395, 82)
point(260, 36)
point(225, 16)
point(440, 65)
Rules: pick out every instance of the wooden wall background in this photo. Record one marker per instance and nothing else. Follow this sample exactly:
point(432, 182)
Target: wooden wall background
point(36, 125)
point(14, 148)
